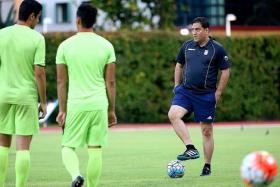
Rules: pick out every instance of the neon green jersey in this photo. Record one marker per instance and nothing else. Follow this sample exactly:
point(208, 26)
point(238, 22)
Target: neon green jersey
point(86, 55)
point(20, 49)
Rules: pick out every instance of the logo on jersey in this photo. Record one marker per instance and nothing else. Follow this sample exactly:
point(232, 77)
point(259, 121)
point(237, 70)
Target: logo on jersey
point(209, 118)
point(226, 58)
point(206, 52)
point(191, 49)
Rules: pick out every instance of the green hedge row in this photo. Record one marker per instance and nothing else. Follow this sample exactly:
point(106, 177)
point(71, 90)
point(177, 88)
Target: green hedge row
point(145, 68)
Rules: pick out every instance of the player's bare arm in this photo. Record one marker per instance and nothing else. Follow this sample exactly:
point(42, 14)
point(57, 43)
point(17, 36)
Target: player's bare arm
point(178, 74)
point(222, 83)
point(111, 92)
point(40, 76)
point(62, 78)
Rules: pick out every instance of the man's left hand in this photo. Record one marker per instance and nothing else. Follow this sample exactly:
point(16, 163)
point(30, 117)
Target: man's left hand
point(112, 118)
point(218, 96)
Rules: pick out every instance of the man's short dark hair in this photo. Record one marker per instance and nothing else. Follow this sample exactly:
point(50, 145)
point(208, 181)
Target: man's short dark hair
point(202, 20)
point(88, 14)
point(27, 7)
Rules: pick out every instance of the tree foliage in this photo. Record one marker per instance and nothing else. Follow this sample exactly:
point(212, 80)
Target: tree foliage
point(139, 14)
point(145, 74)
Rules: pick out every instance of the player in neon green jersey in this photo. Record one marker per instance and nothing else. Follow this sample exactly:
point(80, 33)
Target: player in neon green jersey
point(85, 62)
point(22, 77)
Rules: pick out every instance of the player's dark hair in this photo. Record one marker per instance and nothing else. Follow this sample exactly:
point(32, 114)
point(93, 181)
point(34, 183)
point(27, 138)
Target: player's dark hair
point(88, 14)
point(27, 7)
point(202, 20)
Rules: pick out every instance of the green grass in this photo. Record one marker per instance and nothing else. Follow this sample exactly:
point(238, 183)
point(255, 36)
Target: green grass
point(139, 158)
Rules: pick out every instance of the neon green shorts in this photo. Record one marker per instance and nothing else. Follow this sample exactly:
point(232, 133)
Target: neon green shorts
point(85, 128)
point(19, 119)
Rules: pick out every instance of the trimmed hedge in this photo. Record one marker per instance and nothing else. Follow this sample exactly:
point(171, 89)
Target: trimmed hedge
point(145, 69)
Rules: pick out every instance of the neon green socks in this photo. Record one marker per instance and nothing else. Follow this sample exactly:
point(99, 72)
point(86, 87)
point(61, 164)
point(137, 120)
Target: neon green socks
point(4, 153)
point(94, 167)
point(22, 167)
point(71, 162)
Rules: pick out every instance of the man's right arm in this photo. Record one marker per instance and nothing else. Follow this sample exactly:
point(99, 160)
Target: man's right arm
point(178, 74)
point(40, 77)
point(180, 59)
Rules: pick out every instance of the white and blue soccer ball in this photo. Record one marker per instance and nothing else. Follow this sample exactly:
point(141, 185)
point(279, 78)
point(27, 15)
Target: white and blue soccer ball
point(175, 169)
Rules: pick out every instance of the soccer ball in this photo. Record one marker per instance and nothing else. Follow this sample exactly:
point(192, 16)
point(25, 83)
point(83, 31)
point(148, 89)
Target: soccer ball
point(258, 169)
point(175, 169)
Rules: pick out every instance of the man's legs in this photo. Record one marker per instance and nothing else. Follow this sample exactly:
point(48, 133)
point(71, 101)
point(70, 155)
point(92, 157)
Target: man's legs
point(26, 125)
point(208, 146)
point(7, 129)
point(175, 115)
point(22, 164)
point(75, 134)
point(5, 143)
point(94, 166)
point(97, 137)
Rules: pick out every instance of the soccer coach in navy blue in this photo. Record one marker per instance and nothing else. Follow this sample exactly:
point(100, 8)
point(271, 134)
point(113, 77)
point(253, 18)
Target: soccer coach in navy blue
point(197, 89)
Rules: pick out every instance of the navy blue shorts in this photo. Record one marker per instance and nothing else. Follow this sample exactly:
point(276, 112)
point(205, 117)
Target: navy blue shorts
point(203, 105)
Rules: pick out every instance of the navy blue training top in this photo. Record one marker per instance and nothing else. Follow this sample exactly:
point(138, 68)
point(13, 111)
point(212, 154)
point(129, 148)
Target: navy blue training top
point(201, 65)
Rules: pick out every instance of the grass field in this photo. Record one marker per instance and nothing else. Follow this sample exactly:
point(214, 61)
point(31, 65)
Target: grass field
point(138, 158)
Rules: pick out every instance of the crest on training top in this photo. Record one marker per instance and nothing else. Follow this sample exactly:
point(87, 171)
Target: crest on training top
point(206, 52)
point(226, 58)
